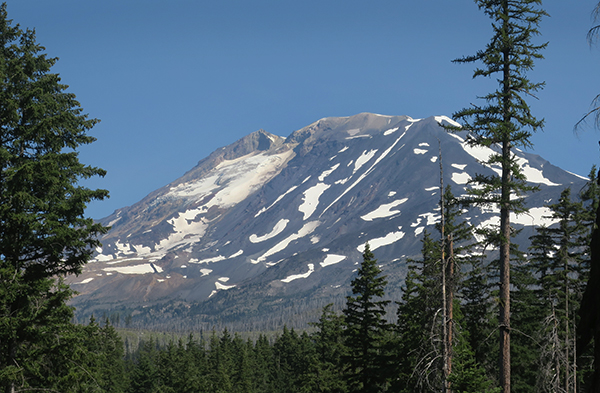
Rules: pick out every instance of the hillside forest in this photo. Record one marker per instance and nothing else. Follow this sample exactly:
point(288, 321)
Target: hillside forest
point(477, 313)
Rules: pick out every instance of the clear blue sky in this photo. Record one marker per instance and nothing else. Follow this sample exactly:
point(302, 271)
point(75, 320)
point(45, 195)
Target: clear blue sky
point(174, 80)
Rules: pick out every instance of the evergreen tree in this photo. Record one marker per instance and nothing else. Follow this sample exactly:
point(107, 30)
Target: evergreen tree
point(287, 365)
point(330, 350)
point(264, 366)
point(558, 255)
point(418, 347)
point(366, 328)
point(477, 307)
point(43, 231)
point(145, 375)
point(506, 121)
point(527, 320)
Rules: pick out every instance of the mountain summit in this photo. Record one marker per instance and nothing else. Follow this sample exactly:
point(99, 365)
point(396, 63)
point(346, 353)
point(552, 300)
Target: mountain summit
point(270, 227)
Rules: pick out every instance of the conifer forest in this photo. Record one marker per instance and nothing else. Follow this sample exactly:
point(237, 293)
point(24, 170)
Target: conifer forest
point(477, 312)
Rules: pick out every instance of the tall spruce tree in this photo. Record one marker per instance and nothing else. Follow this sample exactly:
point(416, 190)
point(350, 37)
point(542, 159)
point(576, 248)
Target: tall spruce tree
point(43, 231)
point(366, 329)
point(507, 122)
point(330, 349)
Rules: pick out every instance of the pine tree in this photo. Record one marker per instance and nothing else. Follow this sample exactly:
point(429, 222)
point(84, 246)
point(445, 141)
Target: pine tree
point(330, 350)
point(366, 328)
point(43, 231)
point(505, 121)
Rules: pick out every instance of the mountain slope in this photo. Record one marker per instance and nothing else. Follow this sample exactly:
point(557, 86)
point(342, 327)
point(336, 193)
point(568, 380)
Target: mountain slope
point(271, 226)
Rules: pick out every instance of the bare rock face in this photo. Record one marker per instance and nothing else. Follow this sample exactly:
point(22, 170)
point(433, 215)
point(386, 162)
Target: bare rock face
point(270, 228)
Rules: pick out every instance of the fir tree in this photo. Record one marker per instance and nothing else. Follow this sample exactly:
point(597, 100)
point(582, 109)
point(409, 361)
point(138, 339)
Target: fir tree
point(43, 231)
point(330, 350)
point(505, 121)
point(366, 328)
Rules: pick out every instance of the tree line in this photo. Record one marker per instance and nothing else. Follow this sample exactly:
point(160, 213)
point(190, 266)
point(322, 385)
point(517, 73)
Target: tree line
point(442, 337)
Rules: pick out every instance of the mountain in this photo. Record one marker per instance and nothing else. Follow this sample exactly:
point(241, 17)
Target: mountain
point(268, 230)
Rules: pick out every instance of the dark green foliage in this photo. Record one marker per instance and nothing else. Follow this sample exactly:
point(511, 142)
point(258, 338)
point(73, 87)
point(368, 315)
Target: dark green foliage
point(366, 328)
point(330, 352)
point(43, 231)
point(526, 322)
point(467, 375)
point(42, 228)
point(418, 353)
point(477, 307)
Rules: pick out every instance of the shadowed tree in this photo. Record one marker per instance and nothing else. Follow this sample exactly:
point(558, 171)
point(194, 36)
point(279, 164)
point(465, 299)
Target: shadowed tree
point(43, 231)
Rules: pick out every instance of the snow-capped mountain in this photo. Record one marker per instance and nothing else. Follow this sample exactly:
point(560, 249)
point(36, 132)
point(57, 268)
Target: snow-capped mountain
point(268, 223)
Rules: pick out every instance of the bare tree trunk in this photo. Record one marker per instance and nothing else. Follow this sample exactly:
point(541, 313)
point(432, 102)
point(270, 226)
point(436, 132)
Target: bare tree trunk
point(567, 360)
point(504, 318)
point(450, 301)
point(445, 346)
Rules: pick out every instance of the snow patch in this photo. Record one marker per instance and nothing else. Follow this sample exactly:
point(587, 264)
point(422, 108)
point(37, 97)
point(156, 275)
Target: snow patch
point(84, 281)
point(446, 119)
point(388, 239)
point(384, 210)
point(311, 269)
point(390, 131)
point(135, 269)
point(277, 229)
point(420, 151)
point(363, 159)
point(461, 178)
point(220, 286)
point(536, 216)
point(416, 224)
point(328, 172)
point(280, 197)
point(332, 259)
point(535, 175)
point(311, 199)
point(218, 258)
point(432, 218)
point(103, 258)
point(306, 230)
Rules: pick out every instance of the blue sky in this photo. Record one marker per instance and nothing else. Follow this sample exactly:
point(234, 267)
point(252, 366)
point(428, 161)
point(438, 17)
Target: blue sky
point(171, 81)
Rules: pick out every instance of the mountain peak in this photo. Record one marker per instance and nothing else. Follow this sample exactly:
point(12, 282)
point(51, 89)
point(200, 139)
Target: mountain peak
point(267, 223)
